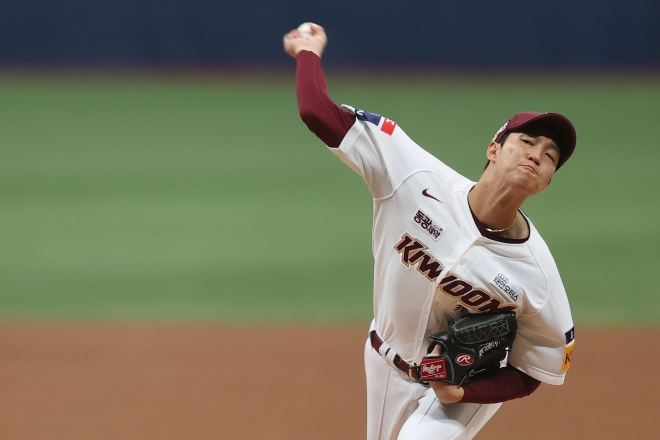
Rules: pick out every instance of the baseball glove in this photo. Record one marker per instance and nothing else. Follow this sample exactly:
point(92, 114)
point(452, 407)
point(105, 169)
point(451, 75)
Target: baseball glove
point(472, 345)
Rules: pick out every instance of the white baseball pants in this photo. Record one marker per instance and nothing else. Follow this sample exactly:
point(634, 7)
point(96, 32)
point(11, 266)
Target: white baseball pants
point(400, 409)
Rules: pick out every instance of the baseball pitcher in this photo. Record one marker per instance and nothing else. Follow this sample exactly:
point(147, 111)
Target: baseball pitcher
point(469, 307)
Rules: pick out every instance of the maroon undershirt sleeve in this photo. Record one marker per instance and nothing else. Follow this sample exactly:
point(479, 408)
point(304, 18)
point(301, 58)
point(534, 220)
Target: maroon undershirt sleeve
point(321, 115)
point(507, 384)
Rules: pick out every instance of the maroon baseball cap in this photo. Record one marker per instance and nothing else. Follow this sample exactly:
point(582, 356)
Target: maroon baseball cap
point(559, 125)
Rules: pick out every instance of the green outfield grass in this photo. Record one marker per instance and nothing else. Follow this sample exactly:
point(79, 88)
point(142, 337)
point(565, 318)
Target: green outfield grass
point(206, 198)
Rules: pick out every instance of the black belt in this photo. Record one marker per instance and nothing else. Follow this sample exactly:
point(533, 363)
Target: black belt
point(411, 371)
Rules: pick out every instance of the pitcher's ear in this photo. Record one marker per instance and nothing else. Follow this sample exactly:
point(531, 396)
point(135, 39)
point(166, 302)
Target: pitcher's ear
point(492, 150)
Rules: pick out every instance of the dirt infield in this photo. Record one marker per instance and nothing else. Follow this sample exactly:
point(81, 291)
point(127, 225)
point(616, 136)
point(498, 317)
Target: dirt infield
point(167, 382)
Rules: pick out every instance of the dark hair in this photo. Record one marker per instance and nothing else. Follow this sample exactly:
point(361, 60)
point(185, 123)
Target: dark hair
point(501, 142)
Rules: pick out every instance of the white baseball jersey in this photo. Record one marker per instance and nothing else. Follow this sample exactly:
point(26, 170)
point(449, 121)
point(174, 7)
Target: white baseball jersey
point(432, 261)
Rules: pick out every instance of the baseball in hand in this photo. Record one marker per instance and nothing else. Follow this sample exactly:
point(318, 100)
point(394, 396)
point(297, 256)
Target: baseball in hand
point(306, 30)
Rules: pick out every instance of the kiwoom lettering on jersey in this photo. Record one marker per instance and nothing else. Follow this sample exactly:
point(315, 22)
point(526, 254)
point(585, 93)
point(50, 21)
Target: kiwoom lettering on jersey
point(429, 225)
point(472, 298)
point(413, 252)
point(506, 286)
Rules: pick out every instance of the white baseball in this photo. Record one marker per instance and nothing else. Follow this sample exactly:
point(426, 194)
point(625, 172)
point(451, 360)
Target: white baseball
point(306, 30)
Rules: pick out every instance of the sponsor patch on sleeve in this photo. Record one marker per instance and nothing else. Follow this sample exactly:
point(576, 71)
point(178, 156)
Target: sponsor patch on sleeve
point(570, 335)
point(568, 351)
point(388, 125)
point(368, 117)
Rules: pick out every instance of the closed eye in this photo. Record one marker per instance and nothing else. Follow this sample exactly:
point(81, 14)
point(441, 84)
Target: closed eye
point(551, 157)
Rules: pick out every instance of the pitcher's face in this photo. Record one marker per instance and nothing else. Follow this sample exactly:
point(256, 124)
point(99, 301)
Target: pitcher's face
point(528, 159)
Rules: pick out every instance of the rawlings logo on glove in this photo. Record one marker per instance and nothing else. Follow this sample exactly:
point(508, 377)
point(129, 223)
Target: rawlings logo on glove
point(472, 345)
point(433, 368)
point(464, 359)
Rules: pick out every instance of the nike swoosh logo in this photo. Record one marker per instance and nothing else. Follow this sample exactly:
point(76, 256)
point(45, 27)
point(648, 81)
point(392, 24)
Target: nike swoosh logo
point(425, 193)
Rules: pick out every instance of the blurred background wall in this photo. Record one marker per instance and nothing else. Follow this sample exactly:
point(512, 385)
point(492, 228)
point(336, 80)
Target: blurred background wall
point(514, 33)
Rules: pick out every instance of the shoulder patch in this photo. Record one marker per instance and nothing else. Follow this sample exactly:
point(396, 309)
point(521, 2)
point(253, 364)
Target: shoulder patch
point(388, 126)
point(568, 351)
point(570, 335)
point(368, 117)
point(568, 354)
